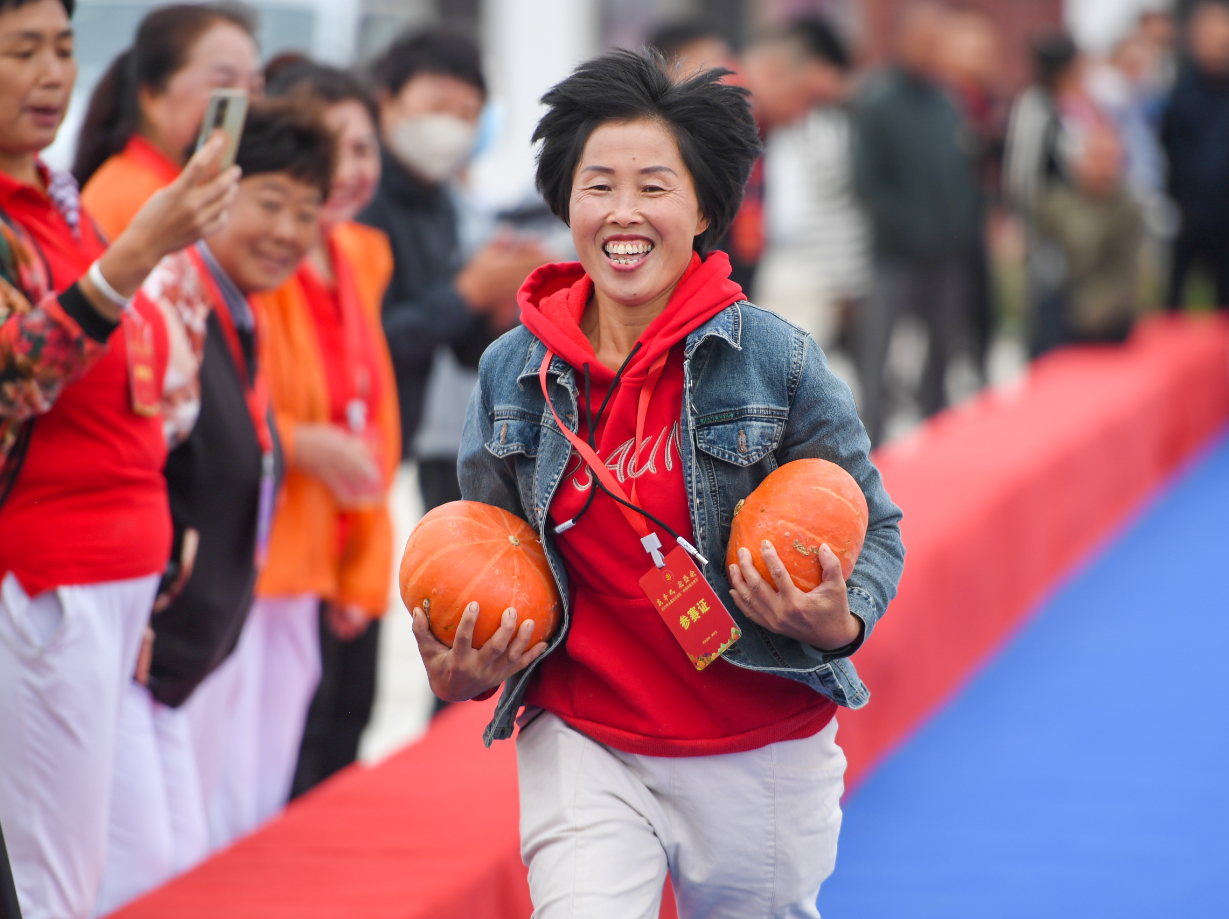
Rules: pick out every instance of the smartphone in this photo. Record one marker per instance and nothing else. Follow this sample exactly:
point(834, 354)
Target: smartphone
point(227, 110)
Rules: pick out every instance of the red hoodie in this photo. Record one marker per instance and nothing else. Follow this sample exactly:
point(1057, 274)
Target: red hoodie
point(621, 678)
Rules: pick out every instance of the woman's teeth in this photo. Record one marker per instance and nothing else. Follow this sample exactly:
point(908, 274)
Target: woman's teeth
point(627, 253)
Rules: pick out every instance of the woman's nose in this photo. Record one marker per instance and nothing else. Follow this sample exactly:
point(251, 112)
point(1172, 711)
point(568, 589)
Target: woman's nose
point(626, 209)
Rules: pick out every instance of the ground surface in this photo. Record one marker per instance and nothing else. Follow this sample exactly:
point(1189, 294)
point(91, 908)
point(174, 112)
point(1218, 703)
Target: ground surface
point(1082, 773)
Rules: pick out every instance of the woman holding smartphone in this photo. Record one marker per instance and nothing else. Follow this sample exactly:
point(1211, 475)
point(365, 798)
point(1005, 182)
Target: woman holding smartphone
point(84, 526)
point(145, 111)
point(222, 475)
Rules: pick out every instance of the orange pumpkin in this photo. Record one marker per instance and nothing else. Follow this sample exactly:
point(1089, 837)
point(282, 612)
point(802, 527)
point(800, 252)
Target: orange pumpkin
point(798, 508)
point(466, 551)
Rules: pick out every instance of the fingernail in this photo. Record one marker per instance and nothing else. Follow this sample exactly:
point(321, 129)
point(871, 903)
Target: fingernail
point(733, 568)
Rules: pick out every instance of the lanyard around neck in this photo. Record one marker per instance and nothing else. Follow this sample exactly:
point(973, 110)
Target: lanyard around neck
point(255, 388)
point(635, 515)
point(350, 313)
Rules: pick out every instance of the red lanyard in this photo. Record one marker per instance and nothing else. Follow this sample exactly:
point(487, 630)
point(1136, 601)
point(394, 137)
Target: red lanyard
point(255, 392)
point(353, 337)
point(635, 516)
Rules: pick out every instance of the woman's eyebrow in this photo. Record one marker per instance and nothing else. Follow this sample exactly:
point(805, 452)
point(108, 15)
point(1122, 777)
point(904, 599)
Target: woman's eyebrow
point(606, 170)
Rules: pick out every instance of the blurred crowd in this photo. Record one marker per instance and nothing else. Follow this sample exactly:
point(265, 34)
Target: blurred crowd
point(915, 215)
point(230, 370)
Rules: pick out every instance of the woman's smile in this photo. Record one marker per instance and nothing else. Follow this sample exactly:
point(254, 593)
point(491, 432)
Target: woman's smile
point(627, 253)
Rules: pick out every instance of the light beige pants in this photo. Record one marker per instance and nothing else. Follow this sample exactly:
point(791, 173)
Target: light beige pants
point(742, 834)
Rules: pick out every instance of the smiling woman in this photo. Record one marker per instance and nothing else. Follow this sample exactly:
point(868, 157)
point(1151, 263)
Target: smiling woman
point(84, 527)
point(637, 724)
point(221, 476)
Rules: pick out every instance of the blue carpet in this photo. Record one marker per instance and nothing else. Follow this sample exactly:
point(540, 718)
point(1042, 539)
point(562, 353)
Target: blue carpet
point(1085, 772)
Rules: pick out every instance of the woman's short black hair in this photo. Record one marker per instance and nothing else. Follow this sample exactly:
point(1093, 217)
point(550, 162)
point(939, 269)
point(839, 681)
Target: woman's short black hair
point(440, 50)
point(711, 122)
point(5, 5)
point(287, 135)
point(292, 75)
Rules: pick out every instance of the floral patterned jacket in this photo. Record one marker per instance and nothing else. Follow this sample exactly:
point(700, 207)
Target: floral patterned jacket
point(42, 347)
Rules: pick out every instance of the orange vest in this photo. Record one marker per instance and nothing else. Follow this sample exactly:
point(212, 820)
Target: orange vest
point(305, 550)
point(123, 184)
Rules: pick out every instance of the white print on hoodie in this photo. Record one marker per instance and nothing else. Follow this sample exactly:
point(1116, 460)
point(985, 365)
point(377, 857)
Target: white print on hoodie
point(624, 465)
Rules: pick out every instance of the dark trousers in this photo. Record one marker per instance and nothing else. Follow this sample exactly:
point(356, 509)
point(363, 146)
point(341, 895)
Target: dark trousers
point(1210, 252)
point(437, 481)
point(937, 291)
point(9, 908)
point(341, 707)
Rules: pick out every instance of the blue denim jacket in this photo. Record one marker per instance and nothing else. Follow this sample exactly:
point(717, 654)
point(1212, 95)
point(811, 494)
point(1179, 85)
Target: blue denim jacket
point(757, 393)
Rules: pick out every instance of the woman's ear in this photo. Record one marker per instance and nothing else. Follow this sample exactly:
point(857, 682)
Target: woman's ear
point(702, 224)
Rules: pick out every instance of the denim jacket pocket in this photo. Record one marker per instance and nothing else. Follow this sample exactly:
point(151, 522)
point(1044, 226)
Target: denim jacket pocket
point(514, 431)
point(743, 436)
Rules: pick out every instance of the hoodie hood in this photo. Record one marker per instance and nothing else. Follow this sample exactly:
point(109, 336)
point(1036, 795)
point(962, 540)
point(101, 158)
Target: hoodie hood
point(553, 300)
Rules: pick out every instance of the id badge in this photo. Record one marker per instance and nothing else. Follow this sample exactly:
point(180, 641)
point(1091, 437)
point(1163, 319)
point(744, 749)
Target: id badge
point(139, 339)
point(264, 511)
point(691, 609)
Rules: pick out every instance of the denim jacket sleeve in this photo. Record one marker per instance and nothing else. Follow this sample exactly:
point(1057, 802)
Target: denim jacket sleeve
point(483, 476)
point(823, 423)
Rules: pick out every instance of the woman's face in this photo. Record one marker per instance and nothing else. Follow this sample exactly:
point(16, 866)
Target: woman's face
point(270, 227)
point(634, 212)
point(358, 162)
point(224, 57)
point(37, 71)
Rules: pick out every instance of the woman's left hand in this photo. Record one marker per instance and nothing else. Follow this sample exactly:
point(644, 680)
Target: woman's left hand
point(820, 618)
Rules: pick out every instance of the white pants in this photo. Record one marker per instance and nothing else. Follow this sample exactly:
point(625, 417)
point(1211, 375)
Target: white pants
point(65, 657)
point(247, 718)
point(742, 834)
point(157, 825)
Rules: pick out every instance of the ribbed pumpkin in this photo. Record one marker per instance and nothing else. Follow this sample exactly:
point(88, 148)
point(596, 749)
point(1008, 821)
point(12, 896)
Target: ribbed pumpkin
point(798, 508)
point(466, 551)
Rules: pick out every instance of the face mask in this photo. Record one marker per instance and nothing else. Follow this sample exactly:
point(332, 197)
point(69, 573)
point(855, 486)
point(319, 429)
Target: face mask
point(434, 147)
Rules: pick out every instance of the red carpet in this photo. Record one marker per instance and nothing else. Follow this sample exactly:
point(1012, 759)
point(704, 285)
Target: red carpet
point(1001, 500)
point(431, 833)
point(1003, 497)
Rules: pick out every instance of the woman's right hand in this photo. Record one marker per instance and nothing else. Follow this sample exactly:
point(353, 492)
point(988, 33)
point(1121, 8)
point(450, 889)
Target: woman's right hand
point(190, 208)
point(342, 461)
point(463, 671)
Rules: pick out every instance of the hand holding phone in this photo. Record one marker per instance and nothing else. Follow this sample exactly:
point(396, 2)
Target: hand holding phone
point(226, 112)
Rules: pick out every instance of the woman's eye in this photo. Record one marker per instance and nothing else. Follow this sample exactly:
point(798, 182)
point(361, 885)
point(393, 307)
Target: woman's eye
point(653, 188)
